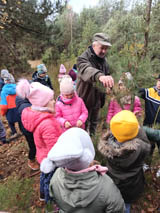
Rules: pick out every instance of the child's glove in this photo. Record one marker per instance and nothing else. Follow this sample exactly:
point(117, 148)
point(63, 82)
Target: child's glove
point(79, 123)
point(67, 125)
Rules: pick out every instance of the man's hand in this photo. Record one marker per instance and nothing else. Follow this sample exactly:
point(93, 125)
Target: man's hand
point(107, 81)
point(79, 123)
point(67, 125)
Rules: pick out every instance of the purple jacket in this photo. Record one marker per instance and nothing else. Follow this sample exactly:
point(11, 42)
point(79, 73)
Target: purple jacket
point(114, 108)
point(71, 110)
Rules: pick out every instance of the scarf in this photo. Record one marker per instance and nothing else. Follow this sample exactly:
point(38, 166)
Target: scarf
point(98, 168)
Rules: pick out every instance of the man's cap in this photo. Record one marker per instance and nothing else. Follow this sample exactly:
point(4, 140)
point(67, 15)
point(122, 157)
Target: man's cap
point(102, 39)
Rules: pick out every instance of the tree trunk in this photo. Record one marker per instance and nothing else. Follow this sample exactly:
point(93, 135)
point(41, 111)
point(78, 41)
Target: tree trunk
point(147, 19)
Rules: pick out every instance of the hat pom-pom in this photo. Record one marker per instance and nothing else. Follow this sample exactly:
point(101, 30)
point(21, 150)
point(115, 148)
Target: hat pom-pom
point(23, 88)
point(47, 166)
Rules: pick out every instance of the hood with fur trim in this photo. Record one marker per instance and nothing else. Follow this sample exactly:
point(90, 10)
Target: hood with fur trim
point(110, 147)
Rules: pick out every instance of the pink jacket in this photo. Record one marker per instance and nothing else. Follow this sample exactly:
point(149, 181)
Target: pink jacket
point(114, 108)
point(71, 110)
point(45, 128)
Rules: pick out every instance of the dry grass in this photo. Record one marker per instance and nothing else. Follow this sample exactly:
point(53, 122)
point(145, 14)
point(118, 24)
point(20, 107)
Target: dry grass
point(34, 63)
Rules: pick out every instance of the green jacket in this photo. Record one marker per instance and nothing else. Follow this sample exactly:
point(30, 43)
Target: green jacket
point(90, 68)
point(124, 162)
point(152, 134)
point(85, 193)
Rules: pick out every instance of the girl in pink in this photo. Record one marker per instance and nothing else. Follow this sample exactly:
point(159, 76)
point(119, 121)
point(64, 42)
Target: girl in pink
point(40, 119)
point(125, 104)
point(70, 109)
point(62, 72)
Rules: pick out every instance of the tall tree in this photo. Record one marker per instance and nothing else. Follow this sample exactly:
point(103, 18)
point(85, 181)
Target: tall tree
point(147, 19)
point(23, 27)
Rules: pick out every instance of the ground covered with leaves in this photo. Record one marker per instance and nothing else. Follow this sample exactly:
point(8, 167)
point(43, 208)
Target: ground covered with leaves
point(19, 185)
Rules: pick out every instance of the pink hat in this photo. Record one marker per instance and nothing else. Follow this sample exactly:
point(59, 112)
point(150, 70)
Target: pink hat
point(62, 69)
point(36, 93)
point(66, 85)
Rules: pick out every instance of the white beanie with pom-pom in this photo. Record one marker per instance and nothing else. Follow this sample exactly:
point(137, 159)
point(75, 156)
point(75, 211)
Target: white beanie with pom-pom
point(66, 85)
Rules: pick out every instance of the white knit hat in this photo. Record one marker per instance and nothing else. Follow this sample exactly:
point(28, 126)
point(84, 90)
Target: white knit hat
point(4, 73)
point(74, 150)
point(66, 85)
point(8, 78)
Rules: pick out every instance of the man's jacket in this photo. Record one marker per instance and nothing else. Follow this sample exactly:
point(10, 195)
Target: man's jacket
point(90, 68)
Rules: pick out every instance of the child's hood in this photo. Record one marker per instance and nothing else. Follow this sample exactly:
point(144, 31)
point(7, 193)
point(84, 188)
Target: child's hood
point(110, 147)
point(31, 118)
point(80, 189)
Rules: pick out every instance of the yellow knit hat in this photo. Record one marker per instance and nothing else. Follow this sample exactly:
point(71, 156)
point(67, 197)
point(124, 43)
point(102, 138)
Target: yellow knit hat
point(124, 126)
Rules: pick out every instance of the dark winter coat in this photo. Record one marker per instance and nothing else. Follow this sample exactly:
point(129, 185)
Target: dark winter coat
point(90, 68)
point(125, 161)
point(20, 105)
point(45, 81)
point(152, 104)
point(1, 84)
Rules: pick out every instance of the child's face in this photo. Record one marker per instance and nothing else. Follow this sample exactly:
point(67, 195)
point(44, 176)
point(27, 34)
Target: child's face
point(51, 105)
point(42, 75)
point(158, 84)
point(68, 96)
point(122, 87)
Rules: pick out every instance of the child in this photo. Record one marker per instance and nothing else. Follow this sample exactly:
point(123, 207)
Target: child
point(77, 187)
point(73, 74)
point(62, 72)
point(8, 104)
point(2, 134)
point(39, 119)
point(3, 71)
point(125, 153)
point(21, 104)
point(41, 76)
point(125, 103)
point(70, 109)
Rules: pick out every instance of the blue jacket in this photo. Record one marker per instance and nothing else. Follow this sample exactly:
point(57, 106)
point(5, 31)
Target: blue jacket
point(8, 104)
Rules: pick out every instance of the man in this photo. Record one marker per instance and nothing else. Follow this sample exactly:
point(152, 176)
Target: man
point(92, 68)
point(151, 97)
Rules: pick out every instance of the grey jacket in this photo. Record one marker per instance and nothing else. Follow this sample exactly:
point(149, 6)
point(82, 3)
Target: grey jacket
point(85, 193)
point(124, 162)
point(90, 68)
